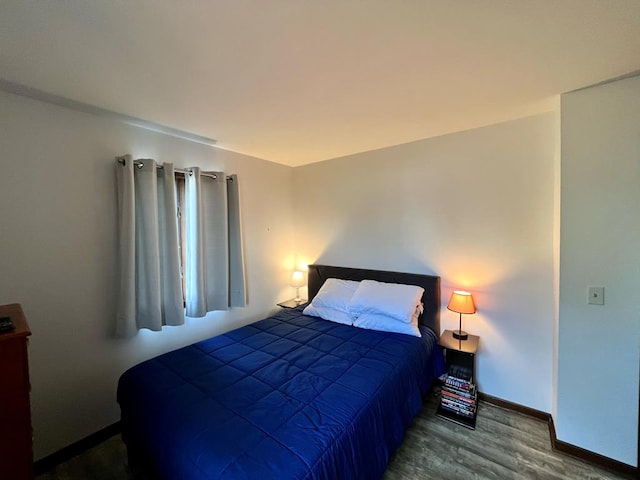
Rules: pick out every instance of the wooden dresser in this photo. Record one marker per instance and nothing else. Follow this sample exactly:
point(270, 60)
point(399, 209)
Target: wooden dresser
point(16, 450)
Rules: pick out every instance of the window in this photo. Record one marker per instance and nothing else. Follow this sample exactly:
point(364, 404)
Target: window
point(165, 275)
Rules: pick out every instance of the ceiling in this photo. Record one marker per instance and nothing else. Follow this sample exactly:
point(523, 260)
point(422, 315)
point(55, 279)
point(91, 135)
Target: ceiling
point(300, 81)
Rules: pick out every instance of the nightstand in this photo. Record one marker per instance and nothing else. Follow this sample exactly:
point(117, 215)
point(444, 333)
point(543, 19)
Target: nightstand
point(291, 303)
point(459, 396)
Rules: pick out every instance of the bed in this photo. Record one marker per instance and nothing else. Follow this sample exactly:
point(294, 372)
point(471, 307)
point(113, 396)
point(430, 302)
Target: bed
point(290, 397)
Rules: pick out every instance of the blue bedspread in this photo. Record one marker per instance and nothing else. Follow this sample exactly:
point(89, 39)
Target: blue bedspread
point(289, 397)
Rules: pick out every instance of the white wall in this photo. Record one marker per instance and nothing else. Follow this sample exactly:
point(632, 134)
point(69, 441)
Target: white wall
point(476, 208)
point(57, 255)
point(597, 406)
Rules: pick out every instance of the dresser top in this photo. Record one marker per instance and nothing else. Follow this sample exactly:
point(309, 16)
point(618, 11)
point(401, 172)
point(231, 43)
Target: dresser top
point(14, 311)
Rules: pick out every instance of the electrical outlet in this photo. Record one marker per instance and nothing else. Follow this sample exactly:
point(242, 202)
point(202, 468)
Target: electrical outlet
point(596, 296)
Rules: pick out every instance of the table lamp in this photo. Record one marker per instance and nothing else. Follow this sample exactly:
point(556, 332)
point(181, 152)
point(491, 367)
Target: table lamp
point(297, 280)
point(461, 302)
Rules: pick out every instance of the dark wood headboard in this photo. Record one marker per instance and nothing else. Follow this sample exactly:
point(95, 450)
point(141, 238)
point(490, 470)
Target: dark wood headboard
point(431, 284)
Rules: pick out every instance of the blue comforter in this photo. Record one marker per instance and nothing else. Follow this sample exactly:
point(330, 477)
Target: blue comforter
point(289, 397)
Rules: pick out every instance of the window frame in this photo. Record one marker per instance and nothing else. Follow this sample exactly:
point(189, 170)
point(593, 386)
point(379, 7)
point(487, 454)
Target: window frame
point(180, 182)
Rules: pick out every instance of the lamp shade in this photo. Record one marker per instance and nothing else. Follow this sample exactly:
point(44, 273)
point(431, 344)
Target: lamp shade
point(461, 302)
point(297, 279)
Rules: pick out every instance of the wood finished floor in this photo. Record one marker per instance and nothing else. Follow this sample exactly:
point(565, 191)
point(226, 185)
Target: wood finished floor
point(505, 445)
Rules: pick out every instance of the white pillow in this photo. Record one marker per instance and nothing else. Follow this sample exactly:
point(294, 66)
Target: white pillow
point(376, 321)
point(335, 293)
point(332, 301)
point(390, 299)
point(328, 313)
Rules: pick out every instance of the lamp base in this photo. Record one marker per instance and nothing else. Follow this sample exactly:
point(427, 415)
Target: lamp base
point(460, 335)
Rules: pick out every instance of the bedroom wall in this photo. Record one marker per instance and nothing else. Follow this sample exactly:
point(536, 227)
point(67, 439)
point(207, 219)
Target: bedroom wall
point(57, 255)
point(475, 207)
point(599, 345)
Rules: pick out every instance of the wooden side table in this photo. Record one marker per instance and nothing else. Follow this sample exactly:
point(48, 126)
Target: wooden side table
point(291, 303)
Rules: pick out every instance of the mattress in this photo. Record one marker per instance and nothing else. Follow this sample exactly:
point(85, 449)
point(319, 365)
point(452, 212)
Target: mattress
point(288, 397)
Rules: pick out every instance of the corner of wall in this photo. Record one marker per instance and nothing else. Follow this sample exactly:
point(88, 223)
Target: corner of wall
point(557, 197)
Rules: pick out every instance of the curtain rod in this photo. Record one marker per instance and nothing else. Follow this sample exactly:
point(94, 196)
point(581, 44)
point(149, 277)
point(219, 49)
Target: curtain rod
point(186, 171)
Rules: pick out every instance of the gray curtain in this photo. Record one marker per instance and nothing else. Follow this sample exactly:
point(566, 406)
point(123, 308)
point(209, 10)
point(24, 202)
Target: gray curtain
point(214, 270)
point(150, 292)
point(237, 284)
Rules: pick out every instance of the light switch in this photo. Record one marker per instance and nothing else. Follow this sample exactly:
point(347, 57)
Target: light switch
point(596, 295)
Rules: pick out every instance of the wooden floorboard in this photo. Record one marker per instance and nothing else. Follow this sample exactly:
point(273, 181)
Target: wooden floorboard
point(504, 446)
